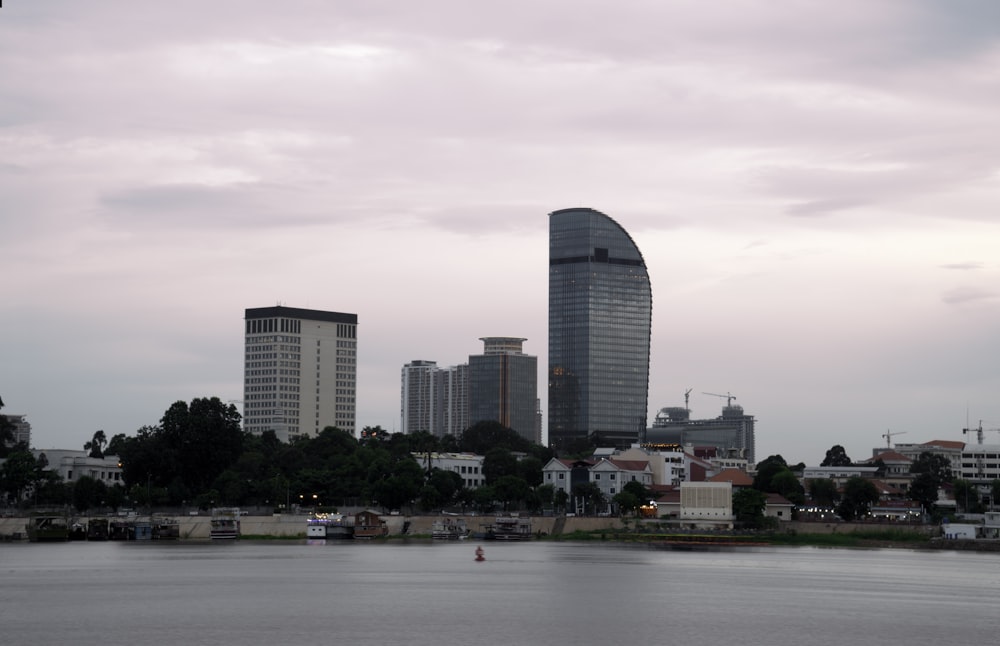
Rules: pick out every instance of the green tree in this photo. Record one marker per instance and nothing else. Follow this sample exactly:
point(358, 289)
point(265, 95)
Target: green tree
point(936, 466)
point(859, 495)
point(7, 431)
point(96, 445)
point(627, 502)
point(823, 492)
point(836, 456)
point(446, 484)
point(19, 473)
point(924, 489)
point(748, 507)
point(766, 470)
point(484, 436)
point(967, 496)
point(545, 495)
point(639, 490)
point(498, 462)
point(787, 484)
point(88, 492)
point(931, 472)
point(560, 499)
point(485, 498)
point(590, 495)
point(530, 470)
point(510, 490)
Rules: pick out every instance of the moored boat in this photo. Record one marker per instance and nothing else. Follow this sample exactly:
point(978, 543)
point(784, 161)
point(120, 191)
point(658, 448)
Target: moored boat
point(368, 524)
point(225, 523)
point(510, 528)
point(449, 529)
point(166, 529)
point(42, 529)
point(321, 525)
point(98, 529)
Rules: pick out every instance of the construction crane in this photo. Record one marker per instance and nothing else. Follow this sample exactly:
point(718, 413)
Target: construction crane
point(888, 437)
point(687, 393)
point(979, 431)
point(729, 397)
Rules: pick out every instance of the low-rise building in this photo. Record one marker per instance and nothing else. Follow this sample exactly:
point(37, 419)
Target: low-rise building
point(467, 465)
point(73, 465)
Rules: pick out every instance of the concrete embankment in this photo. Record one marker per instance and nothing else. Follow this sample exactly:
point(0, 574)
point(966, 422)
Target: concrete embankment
point(292, 525)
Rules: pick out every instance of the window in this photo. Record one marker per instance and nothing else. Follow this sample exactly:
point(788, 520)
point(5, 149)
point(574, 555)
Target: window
point(562, 476)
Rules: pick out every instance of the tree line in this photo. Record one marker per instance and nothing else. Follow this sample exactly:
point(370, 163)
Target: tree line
point(199, 456)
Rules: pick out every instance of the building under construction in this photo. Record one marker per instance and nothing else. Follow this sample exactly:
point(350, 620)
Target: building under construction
point(732, 432)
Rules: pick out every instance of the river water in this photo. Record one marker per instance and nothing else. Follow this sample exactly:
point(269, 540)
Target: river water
point(423, 593)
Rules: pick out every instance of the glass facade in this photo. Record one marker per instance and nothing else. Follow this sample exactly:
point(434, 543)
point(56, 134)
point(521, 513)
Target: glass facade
point(503, 386)
point(600, 308)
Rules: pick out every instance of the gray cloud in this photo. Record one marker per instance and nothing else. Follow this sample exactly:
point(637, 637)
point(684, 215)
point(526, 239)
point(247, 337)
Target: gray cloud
point(962, 295)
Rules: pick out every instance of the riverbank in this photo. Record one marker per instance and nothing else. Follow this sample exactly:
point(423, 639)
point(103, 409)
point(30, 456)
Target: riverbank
point(849, 535)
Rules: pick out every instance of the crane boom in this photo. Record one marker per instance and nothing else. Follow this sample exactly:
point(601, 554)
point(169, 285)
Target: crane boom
point(729, 397)
point(888, 437)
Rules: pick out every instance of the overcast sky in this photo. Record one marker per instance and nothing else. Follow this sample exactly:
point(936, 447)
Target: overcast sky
point(814, 186)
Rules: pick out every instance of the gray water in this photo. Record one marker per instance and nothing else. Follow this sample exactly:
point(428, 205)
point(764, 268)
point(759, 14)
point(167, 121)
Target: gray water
point(347, 592)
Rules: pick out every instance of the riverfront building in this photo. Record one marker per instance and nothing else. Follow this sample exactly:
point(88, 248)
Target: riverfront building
point(503, 386)
point(300, 371)
point(600, 308)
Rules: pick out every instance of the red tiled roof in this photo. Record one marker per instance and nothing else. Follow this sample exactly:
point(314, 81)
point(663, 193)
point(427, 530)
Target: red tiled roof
point(946, 444)
point(735, 476)
point(629, 465)
point(890, 455)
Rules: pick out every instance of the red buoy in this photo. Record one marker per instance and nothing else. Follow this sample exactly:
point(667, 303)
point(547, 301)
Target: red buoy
point(479, 554)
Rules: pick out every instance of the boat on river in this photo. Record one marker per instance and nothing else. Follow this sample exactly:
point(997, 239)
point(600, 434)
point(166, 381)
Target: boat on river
point(368, 524)
point(509, 528)
point(225, 523)
point(449, 529)
point(321, 525)
point(47, 529)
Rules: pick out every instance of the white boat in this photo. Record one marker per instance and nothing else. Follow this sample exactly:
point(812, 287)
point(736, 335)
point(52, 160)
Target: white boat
point(328, 526)
point(225, 523)
point(449, 529)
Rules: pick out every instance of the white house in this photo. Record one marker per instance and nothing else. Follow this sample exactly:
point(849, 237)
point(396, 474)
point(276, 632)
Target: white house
point(467, 465)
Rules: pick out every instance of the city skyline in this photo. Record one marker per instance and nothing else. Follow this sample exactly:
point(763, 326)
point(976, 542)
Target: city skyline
point(813, 188)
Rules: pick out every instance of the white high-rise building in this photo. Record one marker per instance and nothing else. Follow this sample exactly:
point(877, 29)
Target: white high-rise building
point(300, 371)
point(434, 399)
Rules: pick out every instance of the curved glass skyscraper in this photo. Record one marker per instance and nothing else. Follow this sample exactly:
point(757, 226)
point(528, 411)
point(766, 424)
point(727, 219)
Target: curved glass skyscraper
point(600, 307)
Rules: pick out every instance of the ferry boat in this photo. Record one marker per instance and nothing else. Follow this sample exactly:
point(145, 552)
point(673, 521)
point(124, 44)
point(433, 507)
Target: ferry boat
point(42, 529)
point(322, 525)
point(509, 528)
point(166, 529)
point(98, 529)
point(225, 523)
point(449, 529)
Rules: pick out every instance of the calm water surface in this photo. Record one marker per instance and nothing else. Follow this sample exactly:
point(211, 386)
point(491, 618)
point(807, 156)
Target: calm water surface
point(360, 593)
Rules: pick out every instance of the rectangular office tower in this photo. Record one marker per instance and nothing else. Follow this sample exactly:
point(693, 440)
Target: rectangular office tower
point(503, 386)
point(600, 308)
point(300, 371)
